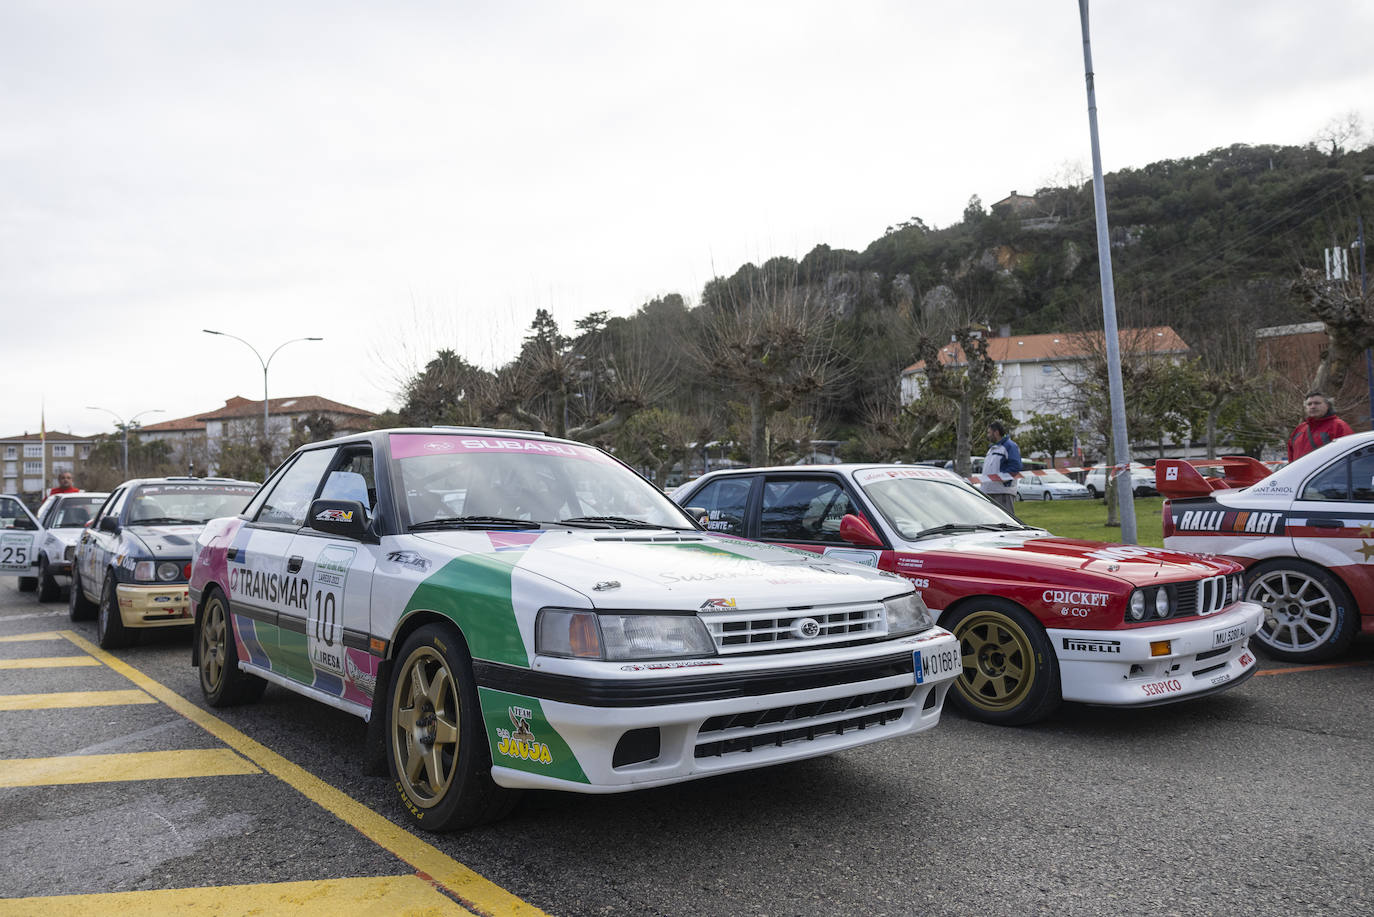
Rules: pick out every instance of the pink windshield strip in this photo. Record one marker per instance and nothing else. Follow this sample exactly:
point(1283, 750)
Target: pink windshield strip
point(409, 445)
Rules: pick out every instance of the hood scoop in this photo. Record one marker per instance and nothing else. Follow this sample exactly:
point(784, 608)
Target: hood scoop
point(176, 539)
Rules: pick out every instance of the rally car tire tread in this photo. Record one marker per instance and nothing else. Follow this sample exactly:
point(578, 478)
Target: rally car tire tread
point(1294, 578)
point(109, 625)
point(48, 589)
point(28, 583)
point(1011, 674)
point(434, 662)
point(222, 682)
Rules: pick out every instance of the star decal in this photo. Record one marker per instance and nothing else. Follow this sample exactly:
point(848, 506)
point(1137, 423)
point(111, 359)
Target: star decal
point(1367, 530)
point(1367, 550)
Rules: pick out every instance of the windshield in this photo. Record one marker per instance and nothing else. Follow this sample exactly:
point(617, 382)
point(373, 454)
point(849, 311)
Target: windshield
point(186, 504)
point(1053, 477)
point(483, 479)
point(915, 505)
point(74, 512)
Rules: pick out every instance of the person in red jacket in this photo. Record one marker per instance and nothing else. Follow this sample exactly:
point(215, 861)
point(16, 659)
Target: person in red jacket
point(1321, 426)
point(64, 485)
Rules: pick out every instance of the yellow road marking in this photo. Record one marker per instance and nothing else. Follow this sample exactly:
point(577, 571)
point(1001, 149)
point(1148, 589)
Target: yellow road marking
point(73, 699)
point(1312, 668)
point(36, 635)
point(139, 765)
point(478, 893)
point(47, 662)
point(387, 895)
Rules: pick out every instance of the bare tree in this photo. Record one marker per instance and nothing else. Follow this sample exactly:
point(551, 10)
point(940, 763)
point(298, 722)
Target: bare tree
point(1349, 321)
point(965, 380)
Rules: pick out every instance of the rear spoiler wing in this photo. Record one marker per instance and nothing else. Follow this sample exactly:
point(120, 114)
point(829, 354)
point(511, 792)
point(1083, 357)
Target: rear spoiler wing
point(1176, 478)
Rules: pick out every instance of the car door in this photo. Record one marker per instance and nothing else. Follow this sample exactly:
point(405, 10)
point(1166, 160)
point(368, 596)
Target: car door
point(18, 538)
point(269, 600)
point(1332, 519)
point(723, 504)
point(339, 573)
point(100, 543)
point(804, 511)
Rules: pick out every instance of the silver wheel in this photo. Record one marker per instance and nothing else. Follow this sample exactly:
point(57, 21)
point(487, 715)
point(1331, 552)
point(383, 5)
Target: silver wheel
point(1307, 613)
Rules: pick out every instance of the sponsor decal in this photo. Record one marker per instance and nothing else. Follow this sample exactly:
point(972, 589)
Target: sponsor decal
point(909, 563)
point(1221, 679)
point(1075, 597)
point(660, 666)
point(1220, 520)
point(1365, 550)
point(520, 742)
point(605, 585)
point(409, 559)
point(323, 629)
point(1245, 659)
point(713, 521)
point(1270, 487)
point(1156, 688)
point(273, 588)
point(1171, 473)
point(1118, 552)
point(1077, 645)
point(882, 474)
point(366, 681)
point(919, 582)
point(335, 515)
point(717, 605)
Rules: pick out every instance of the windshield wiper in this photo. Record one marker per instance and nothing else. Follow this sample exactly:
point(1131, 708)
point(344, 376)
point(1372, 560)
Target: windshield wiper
point(458, 522)
point(967, 527)
point(165, 520)
point(613, 521)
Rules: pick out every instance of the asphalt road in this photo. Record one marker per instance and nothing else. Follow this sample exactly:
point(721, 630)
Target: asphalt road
point(1259, 800)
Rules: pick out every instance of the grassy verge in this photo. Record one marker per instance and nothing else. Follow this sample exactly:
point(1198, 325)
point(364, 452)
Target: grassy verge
point(1087, 519)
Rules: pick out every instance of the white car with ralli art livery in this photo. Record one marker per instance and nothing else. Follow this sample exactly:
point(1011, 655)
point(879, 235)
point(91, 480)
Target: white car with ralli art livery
point(508, 611)
point(1039, 619)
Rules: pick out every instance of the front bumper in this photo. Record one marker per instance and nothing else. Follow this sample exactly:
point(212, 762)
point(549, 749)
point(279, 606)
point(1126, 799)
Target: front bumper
point(1116, 666)
point(709, 729)
point(154, 606)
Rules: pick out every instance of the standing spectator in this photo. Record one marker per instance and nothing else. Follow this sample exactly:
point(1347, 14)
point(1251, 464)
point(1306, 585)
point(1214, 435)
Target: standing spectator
point(1003, 458)
point(1321, 426)
point(64, 485)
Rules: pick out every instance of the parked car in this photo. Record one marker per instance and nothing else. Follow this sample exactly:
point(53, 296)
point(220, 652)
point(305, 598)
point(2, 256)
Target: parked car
point(1039, 619)
point(509, 611)
point(1304, 533)
point(18, 543)
point(61, 519)
point(1049, 485)
point(133, 561)
point(1142, 480)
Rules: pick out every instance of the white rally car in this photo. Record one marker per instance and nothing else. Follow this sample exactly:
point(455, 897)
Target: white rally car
point(61, 519)
point(1304, 533)
point(509, 610)
point(18, 542)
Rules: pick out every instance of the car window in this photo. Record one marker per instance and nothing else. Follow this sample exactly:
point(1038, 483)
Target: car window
point(354, 478)
point(115, 504)
point(803, 510)
point(724, 502)
point(73, 512)
point(13, 515)
point(1350, 478)
point(289, 500)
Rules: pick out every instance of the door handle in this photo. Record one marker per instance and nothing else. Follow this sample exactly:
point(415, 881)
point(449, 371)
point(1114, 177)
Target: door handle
point(294, 564)
point(1326, 524)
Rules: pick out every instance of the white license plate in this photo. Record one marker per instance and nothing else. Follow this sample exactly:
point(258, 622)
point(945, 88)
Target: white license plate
point(933, 665)
point(1227, 635)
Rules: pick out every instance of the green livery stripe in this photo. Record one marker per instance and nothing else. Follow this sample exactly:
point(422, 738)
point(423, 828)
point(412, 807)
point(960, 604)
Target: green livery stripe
point(474, 591)
point(522, 739)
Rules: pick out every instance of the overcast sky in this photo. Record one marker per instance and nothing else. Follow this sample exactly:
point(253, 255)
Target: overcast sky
point(406, 176)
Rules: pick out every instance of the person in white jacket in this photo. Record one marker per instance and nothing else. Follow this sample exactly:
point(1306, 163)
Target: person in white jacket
point(1003, 458)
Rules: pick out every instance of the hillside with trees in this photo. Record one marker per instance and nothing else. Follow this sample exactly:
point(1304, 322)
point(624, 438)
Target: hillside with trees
point(777, 356)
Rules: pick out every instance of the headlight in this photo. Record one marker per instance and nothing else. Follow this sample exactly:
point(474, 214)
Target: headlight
point(1137, 606)
point(143, 571)
point(587, 635)
point(1162, 603)
point(907, 614)
point(168, 571)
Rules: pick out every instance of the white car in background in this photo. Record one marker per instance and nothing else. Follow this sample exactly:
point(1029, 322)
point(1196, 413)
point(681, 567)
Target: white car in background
point(1049, 485)
point(1142, 480)
point(60, 521)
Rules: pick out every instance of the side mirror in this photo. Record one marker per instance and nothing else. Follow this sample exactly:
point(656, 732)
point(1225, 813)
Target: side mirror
point(345, 518)
point(109, 524)
point(699, 514)
point(856, 530)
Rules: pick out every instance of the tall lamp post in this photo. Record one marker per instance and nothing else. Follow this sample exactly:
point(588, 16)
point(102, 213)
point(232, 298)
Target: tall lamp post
point(125, 427)
point(264, 363)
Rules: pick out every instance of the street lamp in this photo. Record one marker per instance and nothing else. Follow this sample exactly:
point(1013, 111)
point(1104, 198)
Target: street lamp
point(125, 427)
point(265, 363)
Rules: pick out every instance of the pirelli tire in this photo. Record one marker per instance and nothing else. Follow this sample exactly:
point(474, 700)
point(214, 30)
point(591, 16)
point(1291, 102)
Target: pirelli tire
point(222, 682)
point(1309, 615)
point(79, 608)
point(436, 744)
point(1010, 672)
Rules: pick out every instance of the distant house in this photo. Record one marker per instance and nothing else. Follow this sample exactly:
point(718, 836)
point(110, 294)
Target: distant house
point(1033, 368)
point(200, 434)
point(23, 460)
point(1032, 213)
point(1293, 353)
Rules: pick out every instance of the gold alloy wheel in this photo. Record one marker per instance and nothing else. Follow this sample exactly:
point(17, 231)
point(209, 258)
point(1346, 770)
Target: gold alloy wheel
point(424, 725)
point(213, 644)
point(998, 661)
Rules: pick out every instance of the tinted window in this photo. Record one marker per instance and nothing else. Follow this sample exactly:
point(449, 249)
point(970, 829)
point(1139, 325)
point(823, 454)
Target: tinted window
point(724, 502)
point(115, 503)
point(1351, 478)
point(805, 510)
point(289, 500)
point(73, 512)
point(13, 515)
